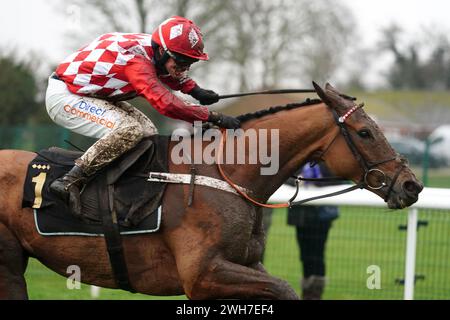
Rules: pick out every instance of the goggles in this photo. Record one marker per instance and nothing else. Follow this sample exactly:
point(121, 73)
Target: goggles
point(183, 62)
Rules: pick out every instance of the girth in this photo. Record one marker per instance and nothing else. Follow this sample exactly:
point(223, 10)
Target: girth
point(112, 235)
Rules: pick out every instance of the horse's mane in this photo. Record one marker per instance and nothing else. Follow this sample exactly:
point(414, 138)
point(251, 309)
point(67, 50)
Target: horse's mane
point(261, 113)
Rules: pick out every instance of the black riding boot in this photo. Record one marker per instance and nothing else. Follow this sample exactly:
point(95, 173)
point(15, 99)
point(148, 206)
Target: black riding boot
point(68, 188)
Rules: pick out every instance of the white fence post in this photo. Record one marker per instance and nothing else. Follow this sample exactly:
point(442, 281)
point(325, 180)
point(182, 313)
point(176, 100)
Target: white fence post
point(95, 292)
point(411, 244)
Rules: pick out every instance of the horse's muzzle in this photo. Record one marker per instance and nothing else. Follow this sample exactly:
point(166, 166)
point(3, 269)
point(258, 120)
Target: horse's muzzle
point(408, 195)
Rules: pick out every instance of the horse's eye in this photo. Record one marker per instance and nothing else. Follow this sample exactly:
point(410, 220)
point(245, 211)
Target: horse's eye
point(364, 133)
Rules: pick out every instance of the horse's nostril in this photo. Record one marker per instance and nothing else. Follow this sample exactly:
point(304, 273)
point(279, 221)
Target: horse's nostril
point(412, 187)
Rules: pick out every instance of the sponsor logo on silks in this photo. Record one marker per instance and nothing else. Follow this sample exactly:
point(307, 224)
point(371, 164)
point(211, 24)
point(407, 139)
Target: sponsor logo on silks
point(89, 112)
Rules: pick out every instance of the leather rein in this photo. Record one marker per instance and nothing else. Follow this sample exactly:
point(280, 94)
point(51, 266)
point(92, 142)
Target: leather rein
point(367, 167)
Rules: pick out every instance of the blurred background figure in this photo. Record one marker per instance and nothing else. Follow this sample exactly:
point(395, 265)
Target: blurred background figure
point(312, 225)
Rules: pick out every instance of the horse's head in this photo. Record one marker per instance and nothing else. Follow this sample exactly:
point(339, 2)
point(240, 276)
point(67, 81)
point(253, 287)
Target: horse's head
point(360, 152)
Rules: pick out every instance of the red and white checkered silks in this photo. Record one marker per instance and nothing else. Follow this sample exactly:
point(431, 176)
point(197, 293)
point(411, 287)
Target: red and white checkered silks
point(98, 68)
point(118, 64)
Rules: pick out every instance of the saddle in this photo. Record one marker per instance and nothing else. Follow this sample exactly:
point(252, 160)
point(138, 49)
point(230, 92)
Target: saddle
point(131, 196)
point(117, 201)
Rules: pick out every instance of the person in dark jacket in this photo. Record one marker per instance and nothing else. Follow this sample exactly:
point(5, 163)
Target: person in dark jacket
point(312, 224)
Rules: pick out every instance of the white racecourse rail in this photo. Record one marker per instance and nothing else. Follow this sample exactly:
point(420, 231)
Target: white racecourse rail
point(429, 198)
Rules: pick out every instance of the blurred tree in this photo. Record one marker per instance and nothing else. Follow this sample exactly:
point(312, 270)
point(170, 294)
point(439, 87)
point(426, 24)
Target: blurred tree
point(256, 44)
point(437, 68)
point(18, 92)
point(410, 69)
point(144, 15)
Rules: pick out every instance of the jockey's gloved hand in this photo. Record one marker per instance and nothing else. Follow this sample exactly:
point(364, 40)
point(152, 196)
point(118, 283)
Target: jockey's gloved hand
point(205, 97)
point(223, 121)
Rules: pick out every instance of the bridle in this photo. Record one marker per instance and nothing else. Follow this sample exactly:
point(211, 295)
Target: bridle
point(368, 168)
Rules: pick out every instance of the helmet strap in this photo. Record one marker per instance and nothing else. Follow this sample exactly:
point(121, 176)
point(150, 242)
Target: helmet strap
point(160, 59)
point(161, 38)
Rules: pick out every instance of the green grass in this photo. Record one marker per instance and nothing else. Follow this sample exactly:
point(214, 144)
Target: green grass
point(406, 105)
point(437, 178)
point(44, 284)
point(357, 240)
point(361, 237)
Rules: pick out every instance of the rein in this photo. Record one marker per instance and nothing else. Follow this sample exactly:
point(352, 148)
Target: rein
point(281, 91)
point(368, 169)
point(290, 203)
point(243, 194)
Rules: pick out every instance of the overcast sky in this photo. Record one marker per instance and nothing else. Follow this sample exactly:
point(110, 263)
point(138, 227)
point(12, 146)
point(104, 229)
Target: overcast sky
point(35, 24)
point(412, 15)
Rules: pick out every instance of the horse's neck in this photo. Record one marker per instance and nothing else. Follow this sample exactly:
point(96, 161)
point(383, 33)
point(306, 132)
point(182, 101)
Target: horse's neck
point(302, 132)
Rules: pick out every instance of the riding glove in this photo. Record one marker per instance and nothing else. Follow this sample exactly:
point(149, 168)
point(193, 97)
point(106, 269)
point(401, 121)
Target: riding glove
point(205, 97)
point(223, 121)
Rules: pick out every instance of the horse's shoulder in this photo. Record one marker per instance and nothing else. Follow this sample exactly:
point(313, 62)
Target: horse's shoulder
point(15, 158)
point(13, 168)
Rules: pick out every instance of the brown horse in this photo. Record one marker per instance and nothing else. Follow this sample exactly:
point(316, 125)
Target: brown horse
point(211, 249)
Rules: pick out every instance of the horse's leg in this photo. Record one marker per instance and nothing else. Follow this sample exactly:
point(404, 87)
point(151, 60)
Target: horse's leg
point(258, 266)
point(207, 241)
point(205, 274)
point(13, 261)
point(223, 279)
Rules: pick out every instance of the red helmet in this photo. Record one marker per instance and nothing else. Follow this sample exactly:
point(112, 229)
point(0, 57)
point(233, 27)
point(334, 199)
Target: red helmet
point(182, 36)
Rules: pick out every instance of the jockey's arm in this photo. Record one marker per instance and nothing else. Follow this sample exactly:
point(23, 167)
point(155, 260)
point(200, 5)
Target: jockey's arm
point(186, 85)
point(189, 86)
point(143, 77)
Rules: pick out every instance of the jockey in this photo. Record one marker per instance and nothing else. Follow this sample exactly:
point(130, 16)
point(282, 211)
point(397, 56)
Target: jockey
point(86, 94)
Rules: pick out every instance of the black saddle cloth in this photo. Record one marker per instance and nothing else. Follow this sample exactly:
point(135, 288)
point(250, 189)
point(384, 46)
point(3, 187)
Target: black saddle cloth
point(137, 201)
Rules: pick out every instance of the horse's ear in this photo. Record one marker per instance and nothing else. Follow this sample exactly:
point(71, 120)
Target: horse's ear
point(321, 93)
point(333, 98)
point(329, 87)
point(337, 100)
point(332, 93)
